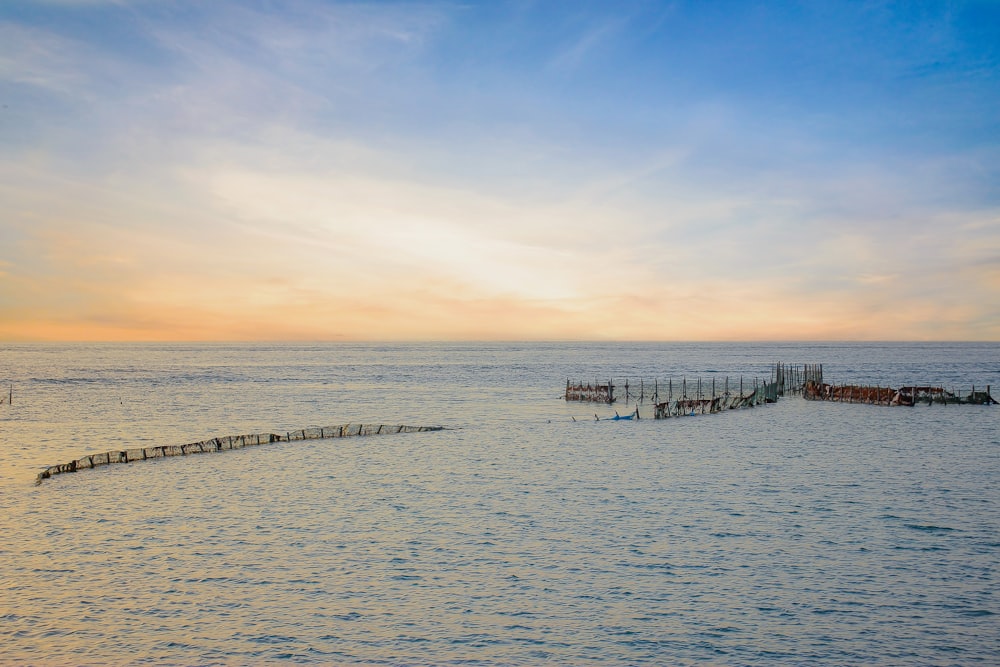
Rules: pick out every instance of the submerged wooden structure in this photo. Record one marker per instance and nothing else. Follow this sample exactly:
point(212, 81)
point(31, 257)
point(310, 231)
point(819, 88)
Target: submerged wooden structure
point(686, 397)
point(225, 443)
point(592, 393)
point(710, 398)
point(700, 396)
point(792, 379)
point(906, 396)
point(684, 406)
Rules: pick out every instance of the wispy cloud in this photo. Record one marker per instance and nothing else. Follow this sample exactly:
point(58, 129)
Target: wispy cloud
point(334, 170)
point(588, 43)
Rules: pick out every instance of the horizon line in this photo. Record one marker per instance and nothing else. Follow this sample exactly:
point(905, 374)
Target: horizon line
point(440, 341)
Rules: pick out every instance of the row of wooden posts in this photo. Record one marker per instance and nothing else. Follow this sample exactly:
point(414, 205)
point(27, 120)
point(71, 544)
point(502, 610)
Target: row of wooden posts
point(682, 407)
point(604, 392)
point(792, 379)
point(908, 396)
point(225, 443)
point(670, 399)
point(703, 397)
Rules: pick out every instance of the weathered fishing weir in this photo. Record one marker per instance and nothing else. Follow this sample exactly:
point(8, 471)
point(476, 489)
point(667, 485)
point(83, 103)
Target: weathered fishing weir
point(699, 396)
point(909, 396)
point(669, 399)
point(224, 443)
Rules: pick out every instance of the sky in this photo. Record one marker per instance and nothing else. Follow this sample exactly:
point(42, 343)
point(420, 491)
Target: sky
point(552, 170)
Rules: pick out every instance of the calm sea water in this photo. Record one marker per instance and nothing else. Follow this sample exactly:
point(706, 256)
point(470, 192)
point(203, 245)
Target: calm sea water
point(796, 533)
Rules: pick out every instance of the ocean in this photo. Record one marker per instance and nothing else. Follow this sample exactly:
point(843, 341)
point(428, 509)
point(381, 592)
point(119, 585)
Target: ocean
point(526, 532)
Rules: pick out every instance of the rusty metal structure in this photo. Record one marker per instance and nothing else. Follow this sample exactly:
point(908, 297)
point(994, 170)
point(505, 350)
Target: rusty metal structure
point(907, 396)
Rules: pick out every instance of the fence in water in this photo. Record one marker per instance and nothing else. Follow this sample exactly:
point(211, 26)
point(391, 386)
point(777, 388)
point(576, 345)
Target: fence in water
point(792, 379)
point(683, 406)
point(908, 396)
point(807, 381)
point(675, 398)
point(224, 443)
point(787, 380)
point(671, 398)
point(592, 393)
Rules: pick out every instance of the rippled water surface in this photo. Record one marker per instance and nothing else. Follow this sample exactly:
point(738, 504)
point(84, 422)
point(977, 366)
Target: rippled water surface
point(527, 533)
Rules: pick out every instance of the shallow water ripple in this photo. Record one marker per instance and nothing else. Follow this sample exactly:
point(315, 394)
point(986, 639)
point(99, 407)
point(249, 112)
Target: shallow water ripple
point(795, 533)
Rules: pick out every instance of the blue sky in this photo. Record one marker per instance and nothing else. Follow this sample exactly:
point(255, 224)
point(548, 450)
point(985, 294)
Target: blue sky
point(521, 170)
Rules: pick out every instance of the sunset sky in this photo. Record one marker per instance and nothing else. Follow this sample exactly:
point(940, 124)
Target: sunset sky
point(313, 170)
